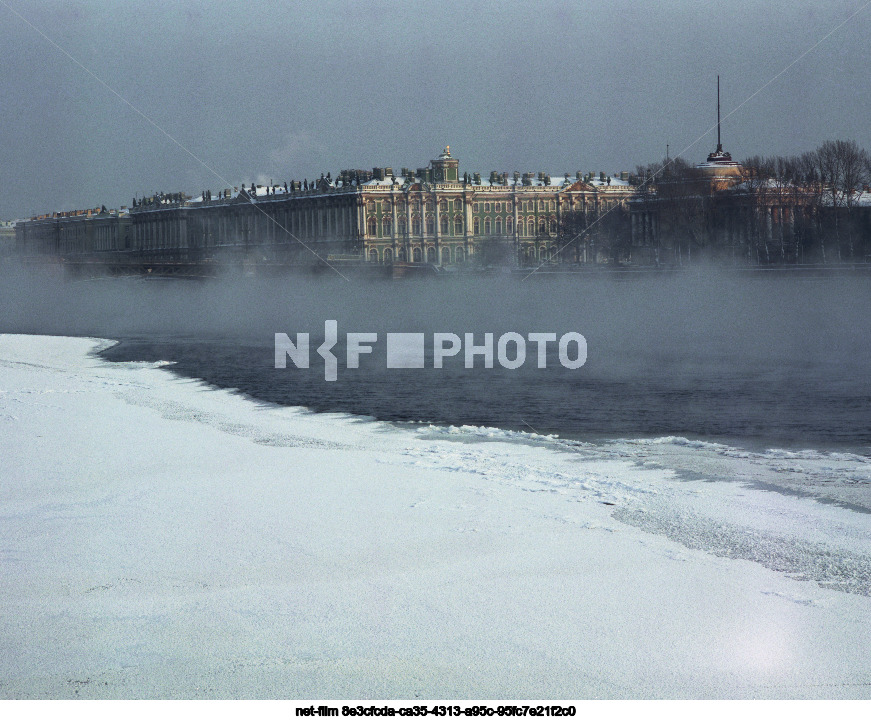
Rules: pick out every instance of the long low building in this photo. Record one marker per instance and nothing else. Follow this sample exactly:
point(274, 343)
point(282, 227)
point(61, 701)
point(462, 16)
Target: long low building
point(432, 215)
point(93, 233)
point(435, 216)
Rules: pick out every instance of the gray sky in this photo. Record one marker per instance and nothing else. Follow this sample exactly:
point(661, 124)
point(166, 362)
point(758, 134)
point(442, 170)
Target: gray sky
point(283, 90)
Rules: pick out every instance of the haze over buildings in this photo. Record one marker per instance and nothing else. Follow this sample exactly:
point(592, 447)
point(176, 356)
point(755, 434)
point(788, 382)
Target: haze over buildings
point(267, 90)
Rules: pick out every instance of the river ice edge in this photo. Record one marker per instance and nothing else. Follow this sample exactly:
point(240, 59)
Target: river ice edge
point(163, 539)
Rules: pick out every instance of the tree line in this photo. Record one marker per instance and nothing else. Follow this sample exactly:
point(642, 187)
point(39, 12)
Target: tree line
point(814, 207)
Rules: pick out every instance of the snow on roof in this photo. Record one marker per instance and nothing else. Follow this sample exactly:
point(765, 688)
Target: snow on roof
point(261, 191)
point(757, 183)
point(616, 182)
point(863, 198)
point(374, 182)
point(557, 181)
point(719, 164)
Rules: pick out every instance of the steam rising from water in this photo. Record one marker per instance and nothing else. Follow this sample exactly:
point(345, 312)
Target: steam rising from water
point(630, 325)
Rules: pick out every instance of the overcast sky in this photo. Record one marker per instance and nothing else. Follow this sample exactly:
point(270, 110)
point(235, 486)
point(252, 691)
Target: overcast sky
point(283, 90)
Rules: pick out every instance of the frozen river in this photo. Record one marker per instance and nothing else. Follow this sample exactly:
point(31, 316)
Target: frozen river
point(161, 538)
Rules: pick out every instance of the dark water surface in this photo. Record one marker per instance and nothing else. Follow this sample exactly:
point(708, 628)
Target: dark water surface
point(793, 405)
point(780, 360)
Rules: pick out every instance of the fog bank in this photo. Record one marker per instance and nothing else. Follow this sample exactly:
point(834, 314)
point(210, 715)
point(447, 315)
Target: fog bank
point(626, 322)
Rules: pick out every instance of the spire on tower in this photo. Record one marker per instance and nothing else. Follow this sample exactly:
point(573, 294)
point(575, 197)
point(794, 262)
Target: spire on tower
point(719, 156)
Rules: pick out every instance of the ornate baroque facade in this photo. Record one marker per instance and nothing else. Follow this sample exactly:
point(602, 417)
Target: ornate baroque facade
point(433, 215)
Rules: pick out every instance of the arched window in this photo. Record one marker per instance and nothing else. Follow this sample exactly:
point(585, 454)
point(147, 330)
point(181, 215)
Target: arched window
point(386, 223)
point(509, 225)
point(477, 226)
point(443, 206)
point(458, 225)
point(552, 253)
point(458, 255)
point(542, 226)
point(415, 225)
point(388, 255)
point(444, 224)
point(486, 226)
point(373, 255)
point(553, 225)
point(430, 225)
point(446, 256)
point(530, 228)
point(370, 206)
point(430, 255)
point(498, 226)
point(372, 226)
point(403, 227)
point(403, 256)
point(417, 255)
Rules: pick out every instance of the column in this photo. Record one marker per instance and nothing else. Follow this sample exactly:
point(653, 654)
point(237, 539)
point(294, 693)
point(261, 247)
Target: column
point(437, 230)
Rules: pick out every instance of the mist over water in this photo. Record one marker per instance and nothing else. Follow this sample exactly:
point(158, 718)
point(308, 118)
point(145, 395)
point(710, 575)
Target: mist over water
point(766, 361)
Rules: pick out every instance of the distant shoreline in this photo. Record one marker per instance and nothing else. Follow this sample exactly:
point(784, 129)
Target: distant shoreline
point(79, 270)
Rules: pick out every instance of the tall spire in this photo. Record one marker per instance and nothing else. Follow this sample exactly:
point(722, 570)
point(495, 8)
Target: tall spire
point(720, 156)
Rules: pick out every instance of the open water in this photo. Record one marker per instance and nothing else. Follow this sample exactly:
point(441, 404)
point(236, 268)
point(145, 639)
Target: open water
point(792, 403)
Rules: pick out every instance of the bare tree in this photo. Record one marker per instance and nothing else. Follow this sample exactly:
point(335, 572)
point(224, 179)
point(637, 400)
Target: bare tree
point(572, 236)
point(614, 232)
point(680, 199)
point(843, 169)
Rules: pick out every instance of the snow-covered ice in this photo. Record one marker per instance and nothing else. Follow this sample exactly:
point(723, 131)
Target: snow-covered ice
point(160, 538)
